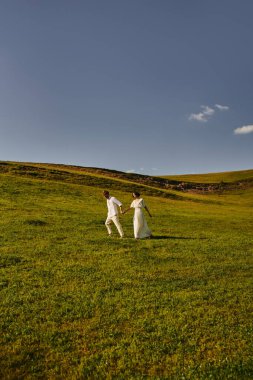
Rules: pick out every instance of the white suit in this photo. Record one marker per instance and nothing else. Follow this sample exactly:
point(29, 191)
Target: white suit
point(113, 215)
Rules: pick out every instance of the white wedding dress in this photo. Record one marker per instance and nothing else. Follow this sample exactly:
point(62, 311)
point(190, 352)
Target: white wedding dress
point(141, 229)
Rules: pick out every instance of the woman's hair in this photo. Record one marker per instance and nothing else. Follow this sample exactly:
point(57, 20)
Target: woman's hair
point(136, 193)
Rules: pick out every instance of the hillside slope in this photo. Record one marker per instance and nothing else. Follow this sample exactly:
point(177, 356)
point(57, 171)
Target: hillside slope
point(168, 186)
point(101, 178)
point(225, 177)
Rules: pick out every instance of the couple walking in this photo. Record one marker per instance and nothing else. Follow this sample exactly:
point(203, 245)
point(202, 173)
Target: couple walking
point(141, 229)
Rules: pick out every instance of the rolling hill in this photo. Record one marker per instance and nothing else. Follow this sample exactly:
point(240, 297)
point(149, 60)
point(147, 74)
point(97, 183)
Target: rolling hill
point(171, 186)
point(226, 177)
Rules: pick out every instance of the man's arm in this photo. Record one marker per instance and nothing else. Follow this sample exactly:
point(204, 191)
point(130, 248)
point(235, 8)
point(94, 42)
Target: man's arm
point(118, 203)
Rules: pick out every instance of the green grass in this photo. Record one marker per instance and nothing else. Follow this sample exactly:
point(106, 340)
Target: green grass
point(76, 304)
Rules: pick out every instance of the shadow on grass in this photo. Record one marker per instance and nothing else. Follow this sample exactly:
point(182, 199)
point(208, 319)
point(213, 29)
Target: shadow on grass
point(161, 237)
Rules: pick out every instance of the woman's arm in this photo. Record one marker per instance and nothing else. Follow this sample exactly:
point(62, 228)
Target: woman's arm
point(126, 210)
point(148, 211)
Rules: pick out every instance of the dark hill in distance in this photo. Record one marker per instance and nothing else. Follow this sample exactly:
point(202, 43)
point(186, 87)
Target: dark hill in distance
point(165, 186)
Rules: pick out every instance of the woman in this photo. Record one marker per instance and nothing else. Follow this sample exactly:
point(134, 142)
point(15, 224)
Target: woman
point(141, 229)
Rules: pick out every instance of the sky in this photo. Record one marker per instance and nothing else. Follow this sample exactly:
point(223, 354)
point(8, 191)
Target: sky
point(156, 87)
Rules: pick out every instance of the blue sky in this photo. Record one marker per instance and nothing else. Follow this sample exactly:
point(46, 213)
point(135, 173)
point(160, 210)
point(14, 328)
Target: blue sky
point(155, 87)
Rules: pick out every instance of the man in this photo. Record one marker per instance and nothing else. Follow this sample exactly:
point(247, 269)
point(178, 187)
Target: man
point(113, 213)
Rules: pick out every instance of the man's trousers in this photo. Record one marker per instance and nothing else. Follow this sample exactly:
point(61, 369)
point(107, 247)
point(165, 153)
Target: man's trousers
point(115, 220)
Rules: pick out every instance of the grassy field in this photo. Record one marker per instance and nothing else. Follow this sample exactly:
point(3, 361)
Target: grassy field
point(76, 304)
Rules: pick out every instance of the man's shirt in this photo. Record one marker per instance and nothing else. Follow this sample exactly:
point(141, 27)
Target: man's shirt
point(112, 204)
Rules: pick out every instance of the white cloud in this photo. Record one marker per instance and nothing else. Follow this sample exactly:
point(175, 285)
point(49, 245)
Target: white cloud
point(198, 116)
point(244, 130)
point(130, 171)
point(206, 113)
point(208, 110)
point(203, 116)
point(222, 108)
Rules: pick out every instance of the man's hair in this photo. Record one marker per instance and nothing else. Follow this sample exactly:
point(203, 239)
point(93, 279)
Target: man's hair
point(105, 192)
